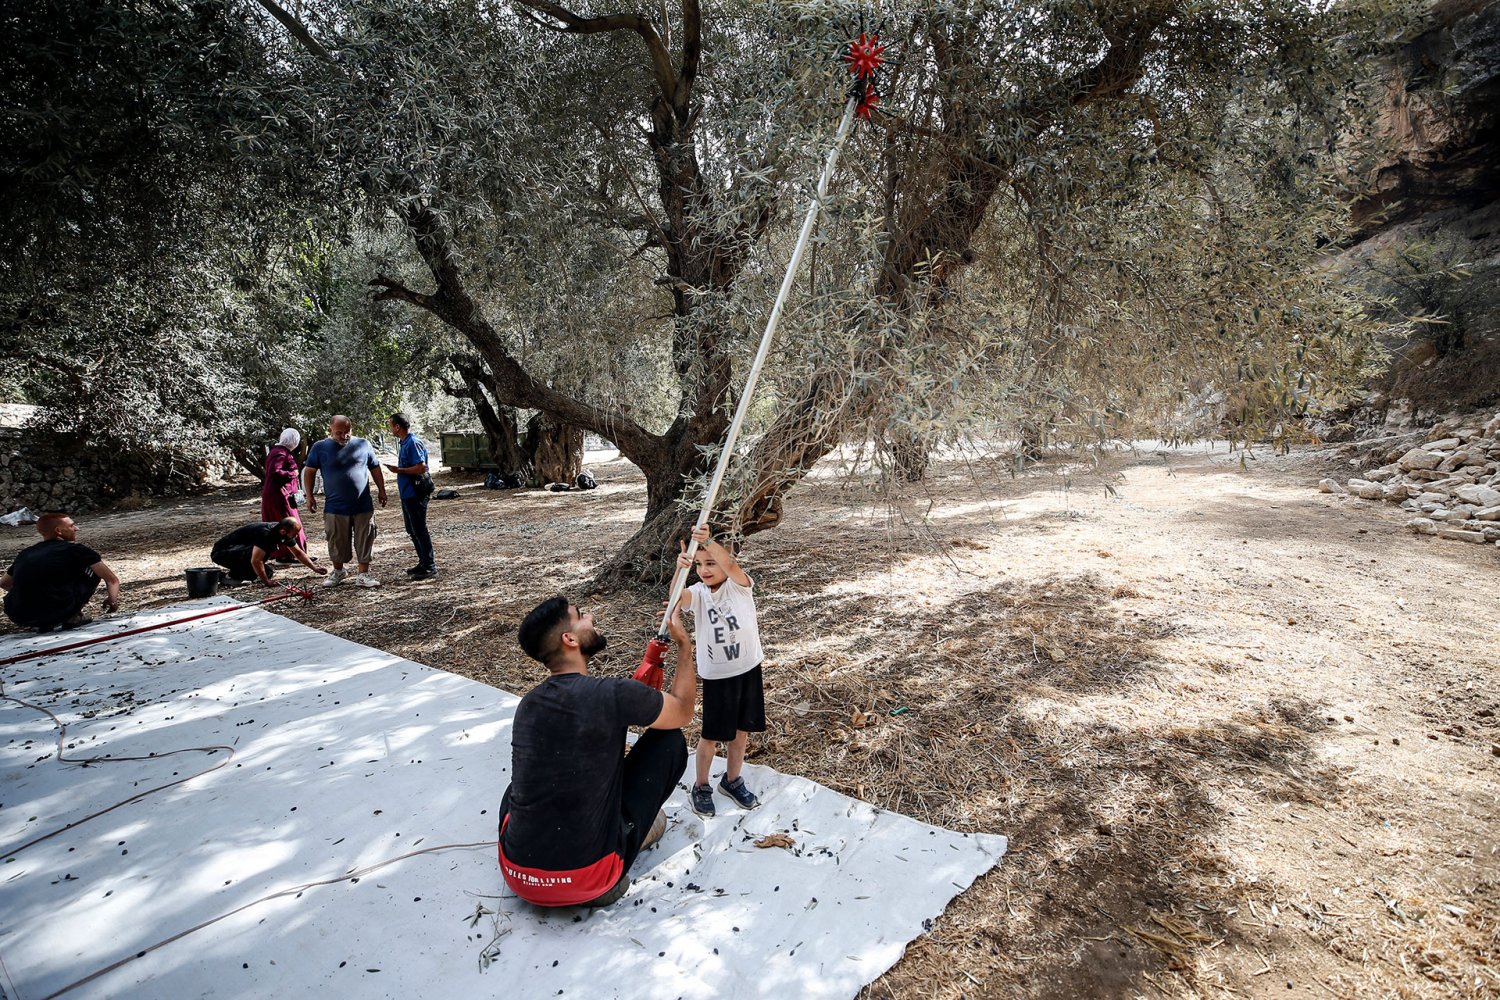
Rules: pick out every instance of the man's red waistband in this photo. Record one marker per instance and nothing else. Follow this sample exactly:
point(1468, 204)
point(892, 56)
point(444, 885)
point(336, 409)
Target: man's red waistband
point(560, 888)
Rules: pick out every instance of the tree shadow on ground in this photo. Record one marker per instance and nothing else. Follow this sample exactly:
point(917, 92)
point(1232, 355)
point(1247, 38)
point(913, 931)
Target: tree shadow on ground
point(1254, 519)
point(1011, 710)
point(1117, 884)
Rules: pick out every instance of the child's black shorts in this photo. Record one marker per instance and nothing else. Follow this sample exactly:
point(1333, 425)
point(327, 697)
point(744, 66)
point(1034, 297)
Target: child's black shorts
point(733, 704)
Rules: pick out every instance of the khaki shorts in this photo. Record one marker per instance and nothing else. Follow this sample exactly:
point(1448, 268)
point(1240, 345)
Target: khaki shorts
point(351, 537)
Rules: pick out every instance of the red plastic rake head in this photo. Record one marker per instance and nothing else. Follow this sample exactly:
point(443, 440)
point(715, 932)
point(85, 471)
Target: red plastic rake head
point(863, 60)
point(300, 592)
point(864, 56)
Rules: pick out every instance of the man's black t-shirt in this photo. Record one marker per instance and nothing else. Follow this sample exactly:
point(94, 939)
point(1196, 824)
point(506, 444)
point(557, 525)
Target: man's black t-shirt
point(47, 577)
point(567, 768)
point(265, 534)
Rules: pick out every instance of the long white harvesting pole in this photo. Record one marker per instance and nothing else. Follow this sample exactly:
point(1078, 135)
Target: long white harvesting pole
point(679, 579)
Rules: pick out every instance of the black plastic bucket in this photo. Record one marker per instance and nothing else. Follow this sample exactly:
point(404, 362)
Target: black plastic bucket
point(203, 582)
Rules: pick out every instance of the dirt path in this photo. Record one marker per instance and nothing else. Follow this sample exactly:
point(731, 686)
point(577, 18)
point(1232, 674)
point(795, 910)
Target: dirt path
point(1242, 735)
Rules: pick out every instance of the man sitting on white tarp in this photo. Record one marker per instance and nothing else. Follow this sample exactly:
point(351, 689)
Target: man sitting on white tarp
point(579, 809)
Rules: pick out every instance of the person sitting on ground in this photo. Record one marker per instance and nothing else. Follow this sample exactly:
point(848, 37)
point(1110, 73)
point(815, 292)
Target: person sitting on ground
point(49, 584)
point(244, 551)
point(729, 655)
point(579, 809)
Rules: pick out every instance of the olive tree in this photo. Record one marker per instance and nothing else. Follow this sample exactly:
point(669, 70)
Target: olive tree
point(1075, 217)
point(1087, 220)
point(164, 286)
point(1081, 219)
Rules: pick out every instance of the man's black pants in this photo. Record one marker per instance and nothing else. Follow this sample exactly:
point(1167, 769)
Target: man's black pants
point(414, 519)
point(652, 769)
point(236, 559)
point(80, 592)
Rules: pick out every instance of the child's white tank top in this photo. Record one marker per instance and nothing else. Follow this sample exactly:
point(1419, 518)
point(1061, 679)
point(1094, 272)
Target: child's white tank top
point(727, 630)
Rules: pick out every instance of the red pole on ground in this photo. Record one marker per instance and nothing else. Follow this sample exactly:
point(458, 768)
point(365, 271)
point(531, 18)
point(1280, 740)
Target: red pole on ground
point(306, 595)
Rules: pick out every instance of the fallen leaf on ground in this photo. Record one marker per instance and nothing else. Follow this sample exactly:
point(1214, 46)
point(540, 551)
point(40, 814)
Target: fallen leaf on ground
point(776, 840)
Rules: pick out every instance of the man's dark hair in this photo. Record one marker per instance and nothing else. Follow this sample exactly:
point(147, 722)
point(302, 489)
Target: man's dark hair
point(289, 524)
point(400, 420)
point(539, 633)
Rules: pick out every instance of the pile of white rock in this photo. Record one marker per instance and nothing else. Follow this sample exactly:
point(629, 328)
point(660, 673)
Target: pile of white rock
point(1451, 481)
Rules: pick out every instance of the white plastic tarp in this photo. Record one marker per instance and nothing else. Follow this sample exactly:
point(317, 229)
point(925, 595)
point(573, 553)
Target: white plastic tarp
point(345, 757)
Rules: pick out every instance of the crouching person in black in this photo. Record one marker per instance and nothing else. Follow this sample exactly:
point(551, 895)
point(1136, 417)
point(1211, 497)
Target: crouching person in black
point(49, 584)
point(244, 551)
point(579, 809)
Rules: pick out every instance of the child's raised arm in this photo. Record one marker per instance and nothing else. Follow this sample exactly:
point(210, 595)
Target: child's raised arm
point(722, 556)
point(685, 602)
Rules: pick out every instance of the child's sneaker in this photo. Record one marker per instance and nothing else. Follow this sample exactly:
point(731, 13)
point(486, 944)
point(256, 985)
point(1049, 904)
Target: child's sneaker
point(736, 790)
point(334, 578)
point(703, 800)
point(366, 580)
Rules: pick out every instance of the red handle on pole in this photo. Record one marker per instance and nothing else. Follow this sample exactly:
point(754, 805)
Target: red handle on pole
point(650, 671)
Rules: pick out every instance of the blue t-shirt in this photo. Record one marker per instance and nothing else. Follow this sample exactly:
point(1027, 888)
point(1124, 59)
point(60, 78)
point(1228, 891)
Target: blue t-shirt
point(346, 477)
point(412, 452)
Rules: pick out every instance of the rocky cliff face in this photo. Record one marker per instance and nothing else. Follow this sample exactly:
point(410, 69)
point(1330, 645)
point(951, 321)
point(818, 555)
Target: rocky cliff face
point(1429, 214)
point(1439, 121)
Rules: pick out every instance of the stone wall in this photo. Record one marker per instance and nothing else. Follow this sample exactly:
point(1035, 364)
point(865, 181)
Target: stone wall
point(1447, 475)
point(49, 471)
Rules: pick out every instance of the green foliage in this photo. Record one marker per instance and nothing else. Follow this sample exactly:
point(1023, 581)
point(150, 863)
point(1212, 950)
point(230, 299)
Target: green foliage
point(320, 345)
point(1050, 239)
point(161, 281)
point(1100, 220)
point(1435, 287)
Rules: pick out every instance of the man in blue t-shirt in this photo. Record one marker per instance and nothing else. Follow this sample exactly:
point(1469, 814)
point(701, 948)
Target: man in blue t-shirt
point(348, 464)
point(410, 468)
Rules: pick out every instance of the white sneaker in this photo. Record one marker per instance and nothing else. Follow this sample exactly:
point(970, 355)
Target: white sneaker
point(334, 578)
point(366, 580)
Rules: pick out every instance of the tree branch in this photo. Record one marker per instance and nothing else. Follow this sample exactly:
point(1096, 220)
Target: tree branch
point(692, 52)
point(571, 23)
point(395, 291)
point(298, 30)
point(510, 383)
point(1124, 62)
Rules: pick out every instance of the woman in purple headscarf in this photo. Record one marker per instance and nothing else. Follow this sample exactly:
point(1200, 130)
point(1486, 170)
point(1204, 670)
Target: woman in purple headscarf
point(278, 492)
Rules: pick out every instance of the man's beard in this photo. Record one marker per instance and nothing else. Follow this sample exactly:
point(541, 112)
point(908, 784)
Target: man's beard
point(595, 643)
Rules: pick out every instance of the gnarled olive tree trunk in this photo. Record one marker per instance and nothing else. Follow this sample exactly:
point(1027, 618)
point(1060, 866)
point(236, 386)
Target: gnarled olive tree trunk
point(703, 260)
point(554, 450)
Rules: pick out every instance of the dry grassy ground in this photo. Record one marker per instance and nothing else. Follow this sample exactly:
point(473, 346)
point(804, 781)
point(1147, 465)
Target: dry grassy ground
point(1242, 735)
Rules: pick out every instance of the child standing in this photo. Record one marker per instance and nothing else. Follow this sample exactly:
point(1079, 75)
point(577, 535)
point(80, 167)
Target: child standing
point(728, 654)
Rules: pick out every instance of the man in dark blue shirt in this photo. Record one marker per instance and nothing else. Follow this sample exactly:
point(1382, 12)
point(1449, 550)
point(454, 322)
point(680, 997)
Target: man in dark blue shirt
point(410, 468)
point(348, 464)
